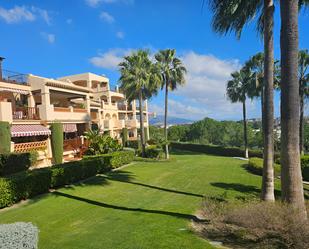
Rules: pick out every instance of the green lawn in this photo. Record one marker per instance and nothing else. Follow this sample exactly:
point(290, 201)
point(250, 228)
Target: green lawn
point(145, 205)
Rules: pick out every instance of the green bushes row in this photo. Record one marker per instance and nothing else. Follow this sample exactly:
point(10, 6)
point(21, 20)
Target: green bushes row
point(215, 150)
point(11, 163)
point(255, 165)
point(27, 184)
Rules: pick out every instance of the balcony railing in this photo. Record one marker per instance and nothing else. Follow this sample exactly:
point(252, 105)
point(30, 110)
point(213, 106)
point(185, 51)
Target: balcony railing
point(14, 77)
point(31, 146)
point(62, 109)
point(26, 113)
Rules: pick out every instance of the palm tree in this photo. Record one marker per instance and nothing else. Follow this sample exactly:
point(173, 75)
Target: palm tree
point(303, 78)
point(173, 72)
point(232, 16)
point(236, 90)
point(139, 80)
point(291, 178)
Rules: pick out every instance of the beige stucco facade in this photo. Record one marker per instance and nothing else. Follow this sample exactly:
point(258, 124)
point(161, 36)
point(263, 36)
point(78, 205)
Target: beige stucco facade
point(84, 99)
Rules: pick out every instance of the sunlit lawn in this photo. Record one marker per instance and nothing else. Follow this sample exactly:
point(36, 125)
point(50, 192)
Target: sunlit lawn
point(145, 205)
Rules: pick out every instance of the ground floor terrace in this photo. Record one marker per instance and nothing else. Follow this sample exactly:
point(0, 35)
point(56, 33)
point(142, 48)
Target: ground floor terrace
point(144, 205)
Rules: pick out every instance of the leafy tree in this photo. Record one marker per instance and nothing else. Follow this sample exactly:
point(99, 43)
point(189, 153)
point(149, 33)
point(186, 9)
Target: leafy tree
point(232, 16)
point(177, 132)
point(172, 71)
point(139, 79)
point(237, 89)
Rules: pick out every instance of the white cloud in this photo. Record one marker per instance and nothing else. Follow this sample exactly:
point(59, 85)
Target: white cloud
point(109, 59)
point(107, 17)
point(120, 34)
point(23, 13)
point(95, 3)
point(16, 14)
point(204, 92)
point(51, 38)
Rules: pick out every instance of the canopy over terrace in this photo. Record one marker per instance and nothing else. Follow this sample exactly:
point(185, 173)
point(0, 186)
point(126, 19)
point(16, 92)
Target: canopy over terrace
point(29, 130)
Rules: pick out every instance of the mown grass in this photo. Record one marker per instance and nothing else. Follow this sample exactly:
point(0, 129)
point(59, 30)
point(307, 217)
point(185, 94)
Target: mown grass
point(145, 205)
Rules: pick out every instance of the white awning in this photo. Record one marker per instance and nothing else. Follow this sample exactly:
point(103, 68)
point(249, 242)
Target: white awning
point(67, 128)
point(29, 130)
point(13, 90)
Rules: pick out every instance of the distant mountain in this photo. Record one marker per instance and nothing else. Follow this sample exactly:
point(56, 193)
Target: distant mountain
point(159, 120)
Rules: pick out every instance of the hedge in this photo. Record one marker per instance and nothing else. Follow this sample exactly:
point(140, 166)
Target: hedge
point(27, 184)
point(57, 142)
point(15, 162)
point(5, 137)
point(215, 150)
point(255, 165)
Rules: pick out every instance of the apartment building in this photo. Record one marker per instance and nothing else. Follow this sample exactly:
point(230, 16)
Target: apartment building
point(80, 102)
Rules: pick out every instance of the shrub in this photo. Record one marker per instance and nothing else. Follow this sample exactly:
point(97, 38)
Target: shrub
point(305, 167)
point(57, 142)
point(100, 144)
point(254, 225)
point(23, 185)
point(5, 137)
point(255, 165)
point(27, 184)
point(133, 144)
point(18, 235)
point(153, 151)
point(15, 162)
point(112, 160)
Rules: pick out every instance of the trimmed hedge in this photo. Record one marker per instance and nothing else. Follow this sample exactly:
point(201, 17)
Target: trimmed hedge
point(57, 142)
point(305, 167)
point(15, 162)
point(152, 151)
point(215, 150)
point(27, 184)
point(255, 165)
point(5, 137)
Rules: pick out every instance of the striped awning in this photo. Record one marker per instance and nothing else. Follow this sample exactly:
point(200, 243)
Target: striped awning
point(13, 90)
point(67, 128)
point(29, 130)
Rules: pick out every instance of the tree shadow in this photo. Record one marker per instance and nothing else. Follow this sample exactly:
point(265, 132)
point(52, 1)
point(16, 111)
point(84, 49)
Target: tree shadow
point(127, 177)
point(111, 206)
point(248, 189)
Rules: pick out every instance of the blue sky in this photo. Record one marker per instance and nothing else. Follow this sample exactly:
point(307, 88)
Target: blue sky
point(53, 38)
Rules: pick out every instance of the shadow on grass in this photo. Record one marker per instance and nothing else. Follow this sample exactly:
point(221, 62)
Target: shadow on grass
point(110, 206)
point(126, 177)
point(185, 152)
point(246, 189)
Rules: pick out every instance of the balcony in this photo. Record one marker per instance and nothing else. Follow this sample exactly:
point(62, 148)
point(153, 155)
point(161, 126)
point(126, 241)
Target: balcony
point(26, 113)
point(69, 113)
point(14, 77)
point(131, 123)
point(31, 146)
point(94, 115)
point(118, 124)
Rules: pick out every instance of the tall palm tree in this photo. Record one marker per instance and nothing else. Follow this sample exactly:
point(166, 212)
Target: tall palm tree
point(291, 178)
point(236, 90)
point(303, 78)
point(173, 74)
point(232, 16)
point(139, 80)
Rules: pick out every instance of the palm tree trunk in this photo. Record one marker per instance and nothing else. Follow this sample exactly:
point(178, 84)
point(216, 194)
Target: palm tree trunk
point(245, 128)
point(267, 193)
point(165, 120)
point(301, 125)
point(141, 120)
point(291, 178)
